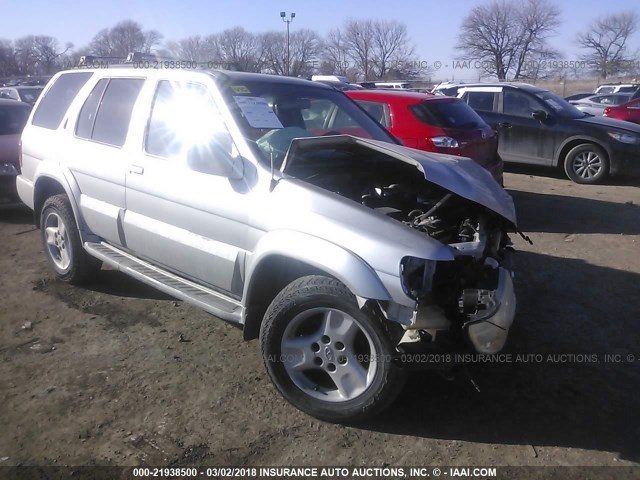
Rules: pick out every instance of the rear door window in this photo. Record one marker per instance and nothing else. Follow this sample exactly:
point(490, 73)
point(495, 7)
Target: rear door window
point(54, 105)
point(114, 114)
point(87, 117)
point(481, 101)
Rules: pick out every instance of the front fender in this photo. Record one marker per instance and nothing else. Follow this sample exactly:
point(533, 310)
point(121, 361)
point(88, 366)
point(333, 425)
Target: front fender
point(342, 264)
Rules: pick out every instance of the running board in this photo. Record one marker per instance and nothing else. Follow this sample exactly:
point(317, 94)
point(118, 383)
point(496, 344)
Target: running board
point(209, 300)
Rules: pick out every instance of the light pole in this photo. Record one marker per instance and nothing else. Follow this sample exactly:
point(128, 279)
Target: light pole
point(283, 15)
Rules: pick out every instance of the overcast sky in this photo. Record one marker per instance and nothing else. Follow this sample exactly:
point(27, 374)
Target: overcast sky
point(433, 25)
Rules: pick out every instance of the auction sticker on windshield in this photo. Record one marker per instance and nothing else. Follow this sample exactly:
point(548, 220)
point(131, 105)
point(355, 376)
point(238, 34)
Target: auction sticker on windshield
point(258, 112)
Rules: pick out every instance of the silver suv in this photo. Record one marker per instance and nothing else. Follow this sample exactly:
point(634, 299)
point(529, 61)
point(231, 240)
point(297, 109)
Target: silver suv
point(279, 205)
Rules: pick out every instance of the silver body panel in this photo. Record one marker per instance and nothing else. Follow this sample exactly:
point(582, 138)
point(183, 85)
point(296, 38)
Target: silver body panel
point(215, 231)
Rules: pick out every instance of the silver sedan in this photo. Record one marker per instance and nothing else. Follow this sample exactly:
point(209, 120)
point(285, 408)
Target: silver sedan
point(596, 104)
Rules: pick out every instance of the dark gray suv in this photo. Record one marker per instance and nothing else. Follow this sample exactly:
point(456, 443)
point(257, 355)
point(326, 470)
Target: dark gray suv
point(537, 126)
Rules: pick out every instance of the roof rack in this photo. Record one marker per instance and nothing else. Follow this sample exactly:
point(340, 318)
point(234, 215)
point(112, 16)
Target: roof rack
point(132, 59)
point(151, 61)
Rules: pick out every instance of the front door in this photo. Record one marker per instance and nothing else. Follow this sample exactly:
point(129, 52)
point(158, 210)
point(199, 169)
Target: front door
point(185, 211)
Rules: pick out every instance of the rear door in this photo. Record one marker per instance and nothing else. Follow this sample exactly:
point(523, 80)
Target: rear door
point(98, 157)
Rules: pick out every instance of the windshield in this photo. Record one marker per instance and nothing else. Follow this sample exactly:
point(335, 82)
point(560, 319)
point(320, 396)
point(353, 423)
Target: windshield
point(447, 114)
point(29, 95)
point(272, 114)
point(560, 106)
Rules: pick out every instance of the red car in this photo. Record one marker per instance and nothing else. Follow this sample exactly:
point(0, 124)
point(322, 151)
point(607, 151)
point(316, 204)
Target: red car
point(435, 124)
point(13, 117)
point(629, 111)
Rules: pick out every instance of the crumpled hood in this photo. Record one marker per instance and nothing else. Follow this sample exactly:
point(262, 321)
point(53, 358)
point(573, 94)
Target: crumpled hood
point(459, 175)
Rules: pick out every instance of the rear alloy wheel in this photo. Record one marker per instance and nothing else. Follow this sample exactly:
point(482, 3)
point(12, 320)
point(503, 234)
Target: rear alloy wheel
point(61, 241)
point(587, 164)
point(325, 355)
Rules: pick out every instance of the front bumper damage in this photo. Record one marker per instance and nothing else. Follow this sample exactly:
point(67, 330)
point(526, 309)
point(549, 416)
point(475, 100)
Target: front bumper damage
point(488, 326)
point(479, 323)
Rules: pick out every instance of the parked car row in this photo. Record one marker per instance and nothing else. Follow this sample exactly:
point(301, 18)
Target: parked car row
point(434, 124)
point(595, 104)
point(538, 127)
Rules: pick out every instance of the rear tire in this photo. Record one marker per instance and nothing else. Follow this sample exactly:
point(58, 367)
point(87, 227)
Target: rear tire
point(62, 245)
point(586, 164)
point(326, 356)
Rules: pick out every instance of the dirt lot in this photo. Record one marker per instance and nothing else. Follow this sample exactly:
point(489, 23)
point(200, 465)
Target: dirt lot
point(117, 373)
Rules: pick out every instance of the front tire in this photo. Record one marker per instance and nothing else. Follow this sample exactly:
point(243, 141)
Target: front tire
point(586, 164)
point(325, 355)
point(62, 245)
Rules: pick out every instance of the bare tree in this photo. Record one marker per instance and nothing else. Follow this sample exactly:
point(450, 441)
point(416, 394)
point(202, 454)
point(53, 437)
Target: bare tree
point(8, 65)
point(538, 20)
point(370, 49)
point(359, 39)
point(335, 59)
point(274, 46)
point(125, 37)
point(606, 42)
point(391, 47)
point(25, 55)
point(195, 48)
point(503, 35)
point(305, 47)
point(48, 54)
point(240, 50)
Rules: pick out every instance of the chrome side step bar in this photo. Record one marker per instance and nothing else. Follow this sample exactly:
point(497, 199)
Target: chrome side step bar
point(209, 300)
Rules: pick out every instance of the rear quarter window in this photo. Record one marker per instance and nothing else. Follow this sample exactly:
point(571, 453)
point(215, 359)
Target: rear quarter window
point(54, 104)
point(447, 114)
point(377, 110)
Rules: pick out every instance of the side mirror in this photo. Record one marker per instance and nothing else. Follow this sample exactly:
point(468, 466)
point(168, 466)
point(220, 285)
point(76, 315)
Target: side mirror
point(540, 115)
point(214, 158)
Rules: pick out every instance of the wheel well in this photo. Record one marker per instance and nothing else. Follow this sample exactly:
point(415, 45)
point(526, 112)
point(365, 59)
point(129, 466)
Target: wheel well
point(45, 187)
point(272, 275)
point(574, 143)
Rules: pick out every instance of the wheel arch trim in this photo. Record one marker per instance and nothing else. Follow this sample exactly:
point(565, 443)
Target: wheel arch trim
point(49, 171)
point(569, 143)
point(346, 266)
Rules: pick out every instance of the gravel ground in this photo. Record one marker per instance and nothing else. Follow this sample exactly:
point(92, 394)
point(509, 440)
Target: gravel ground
point(116, 373)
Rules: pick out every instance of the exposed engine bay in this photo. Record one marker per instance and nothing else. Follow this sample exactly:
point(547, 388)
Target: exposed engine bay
point(453, 297)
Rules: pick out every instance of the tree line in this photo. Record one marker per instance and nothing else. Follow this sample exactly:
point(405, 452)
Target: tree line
point(509, 39)
point(360, 49)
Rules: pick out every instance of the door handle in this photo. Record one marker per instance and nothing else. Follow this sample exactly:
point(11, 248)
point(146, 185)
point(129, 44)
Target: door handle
point(137, 169)
point(505, 125)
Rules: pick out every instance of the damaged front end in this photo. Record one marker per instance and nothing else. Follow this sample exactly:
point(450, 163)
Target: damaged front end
point(464, 302)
